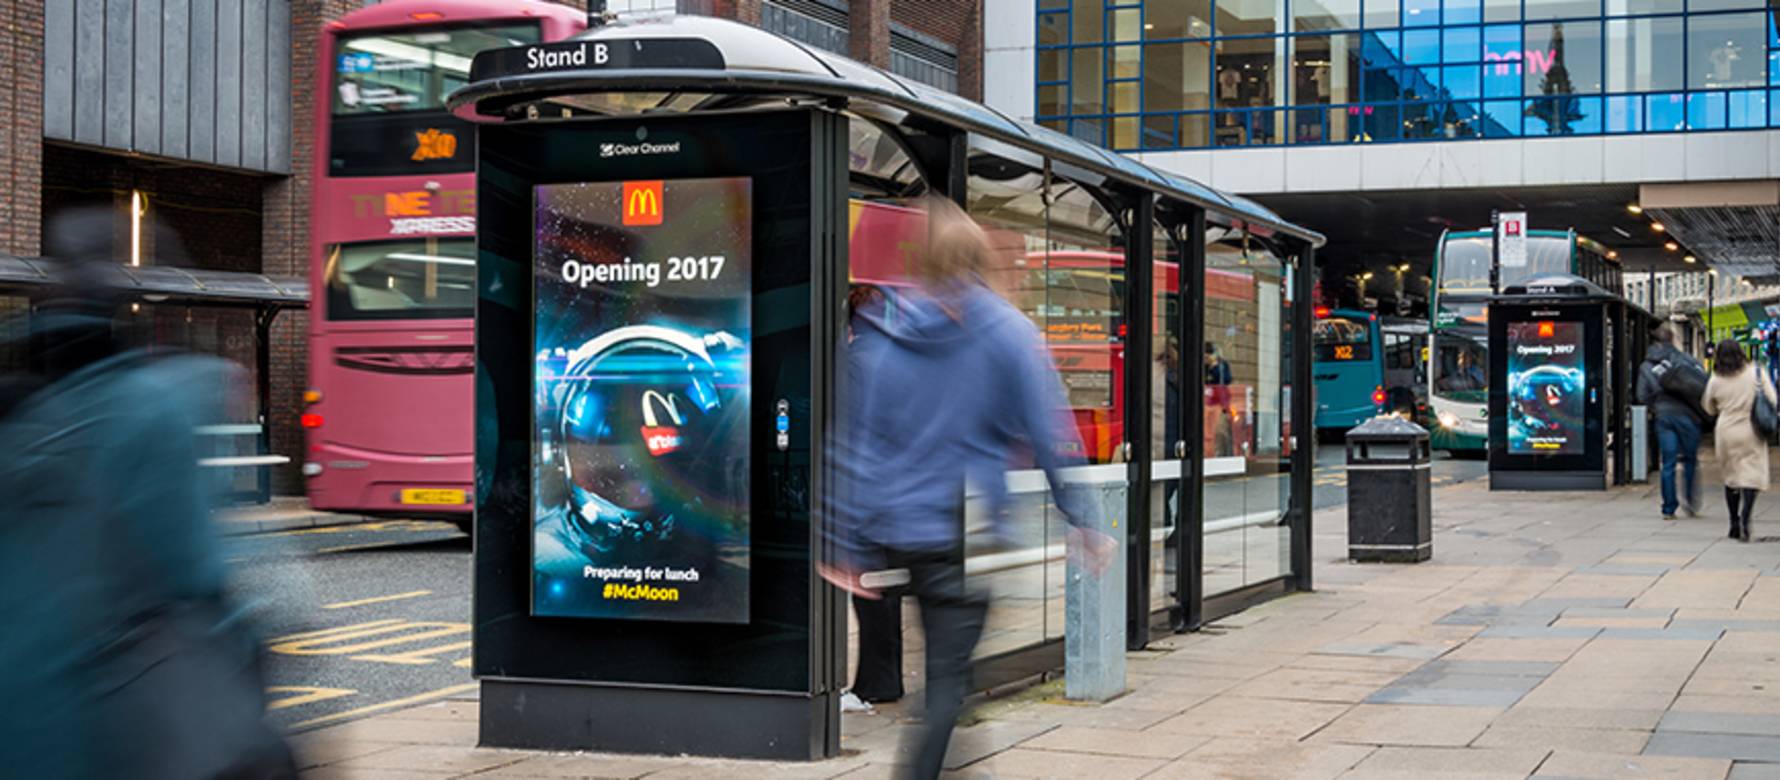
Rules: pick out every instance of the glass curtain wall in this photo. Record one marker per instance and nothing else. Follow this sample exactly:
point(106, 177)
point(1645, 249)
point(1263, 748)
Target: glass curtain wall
point(1183, 74)
point(1247, 448)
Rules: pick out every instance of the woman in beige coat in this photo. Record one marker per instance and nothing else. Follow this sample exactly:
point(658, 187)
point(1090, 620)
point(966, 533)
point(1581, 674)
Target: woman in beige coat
point(1742, 453)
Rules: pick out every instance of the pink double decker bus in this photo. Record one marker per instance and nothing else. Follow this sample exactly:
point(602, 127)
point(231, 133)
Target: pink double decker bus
point(392, 246)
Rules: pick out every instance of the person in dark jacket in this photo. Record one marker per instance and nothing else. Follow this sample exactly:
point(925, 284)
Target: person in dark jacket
point(943, 385)
point(1678, 420)
point(123, 655)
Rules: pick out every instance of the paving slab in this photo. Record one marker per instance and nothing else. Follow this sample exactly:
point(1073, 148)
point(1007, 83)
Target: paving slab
point(1519, 761)
point(1241, 716)
point(1228, 758)
point(1116, 742)
point(1740, 747)
point(1582, 765)
point(1409, 725)
point(1721, 723)
point(1026, 762)
point(1628, 742)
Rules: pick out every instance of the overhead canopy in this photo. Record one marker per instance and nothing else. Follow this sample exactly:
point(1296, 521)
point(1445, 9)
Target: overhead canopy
point(156, 284)
point(679, 63)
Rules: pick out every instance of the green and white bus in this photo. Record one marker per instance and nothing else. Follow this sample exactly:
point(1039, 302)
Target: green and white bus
point(1458, 363)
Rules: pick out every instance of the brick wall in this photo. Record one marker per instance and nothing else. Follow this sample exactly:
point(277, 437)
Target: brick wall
point(958, 23)
point(21, 125)
point(200, 218)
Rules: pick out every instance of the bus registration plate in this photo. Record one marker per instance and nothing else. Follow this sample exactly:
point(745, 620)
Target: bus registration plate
point(432, 496)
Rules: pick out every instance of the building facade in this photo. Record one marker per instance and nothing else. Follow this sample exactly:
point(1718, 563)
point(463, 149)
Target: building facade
point(1384, 122)
point(189, 121)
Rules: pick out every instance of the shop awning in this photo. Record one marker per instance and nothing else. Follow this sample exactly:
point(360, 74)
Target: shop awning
point(159, 284)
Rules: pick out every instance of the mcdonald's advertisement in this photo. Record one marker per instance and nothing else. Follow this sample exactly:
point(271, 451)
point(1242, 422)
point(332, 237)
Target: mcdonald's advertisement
point(1547, 382)
point(641, 316)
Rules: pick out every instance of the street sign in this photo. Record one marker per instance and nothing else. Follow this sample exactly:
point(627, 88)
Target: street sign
point(1511, 238)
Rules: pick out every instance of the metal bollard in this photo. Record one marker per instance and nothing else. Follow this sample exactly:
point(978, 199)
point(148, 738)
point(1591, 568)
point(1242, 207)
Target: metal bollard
point(1094, 614)
point(1389, 504)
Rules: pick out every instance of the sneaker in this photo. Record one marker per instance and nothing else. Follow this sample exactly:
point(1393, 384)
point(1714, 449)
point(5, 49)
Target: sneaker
point(1668, 517)
point(850, 702)
point(1692, 509)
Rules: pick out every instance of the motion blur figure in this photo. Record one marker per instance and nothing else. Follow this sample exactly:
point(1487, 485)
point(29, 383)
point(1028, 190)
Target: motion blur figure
point(943, 384)
point(120, 655)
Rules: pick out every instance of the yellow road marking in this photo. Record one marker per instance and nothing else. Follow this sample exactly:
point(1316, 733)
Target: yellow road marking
point(378, 599)
point(334, 630)
point(388, 705)
point(461, 663)
point(323, 645)
point(415, 657)
point(304, 694)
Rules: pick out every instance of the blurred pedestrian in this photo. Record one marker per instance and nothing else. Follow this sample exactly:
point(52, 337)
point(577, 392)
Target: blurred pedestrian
point(1218, 378)
point(941, 388)
point(877, 678)
point(121, 656)
point(1670, 383)
point(1742, 451)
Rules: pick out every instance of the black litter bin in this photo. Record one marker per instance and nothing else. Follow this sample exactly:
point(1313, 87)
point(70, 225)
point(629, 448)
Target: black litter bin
point(1389, 510)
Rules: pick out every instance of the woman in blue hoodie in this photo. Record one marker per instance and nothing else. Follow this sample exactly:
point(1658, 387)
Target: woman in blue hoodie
point(943, 385)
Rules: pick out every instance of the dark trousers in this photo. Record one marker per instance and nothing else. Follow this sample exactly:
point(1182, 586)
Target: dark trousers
point(1741, 502)
point(952, 621)
point(878, 677)
point(1679, 439)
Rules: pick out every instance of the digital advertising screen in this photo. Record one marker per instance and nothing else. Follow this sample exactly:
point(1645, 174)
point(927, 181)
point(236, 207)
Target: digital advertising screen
point(641, 399)
point(1547, 386)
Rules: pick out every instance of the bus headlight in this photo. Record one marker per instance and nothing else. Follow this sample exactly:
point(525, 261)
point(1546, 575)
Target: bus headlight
point(1448, 420)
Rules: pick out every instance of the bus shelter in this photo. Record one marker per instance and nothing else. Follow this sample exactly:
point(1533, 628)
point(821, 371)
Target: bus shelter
point(710, 195)
point(1564, 355)
point(226, 313)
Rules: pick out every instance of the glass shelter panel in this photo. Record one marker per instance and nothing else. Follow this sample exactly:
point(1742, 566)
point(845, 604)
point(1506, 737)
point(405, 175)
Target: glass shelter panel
point(1246, 451)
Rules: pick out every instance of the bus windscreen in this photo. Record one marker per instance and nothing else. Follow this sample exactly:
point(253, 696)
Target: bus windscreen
point(1338, 339)
point(412, 70)
point(1465, 262)
point(431, 278)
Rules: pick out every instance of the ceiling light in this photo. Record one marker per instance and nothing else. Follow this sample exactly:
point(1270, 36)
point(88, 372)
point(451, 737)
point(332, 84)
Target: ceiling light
point(1687, 259)
point(1657, 226)
point(1634, 208)
point(1612, 254)
point(1621, 231)
point(1671, 246)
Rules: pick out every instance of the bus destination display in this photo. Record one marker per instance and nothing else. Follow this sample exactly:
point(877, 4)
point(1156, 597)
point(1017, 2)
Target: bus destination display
point(1546, 383)
point(641, 401)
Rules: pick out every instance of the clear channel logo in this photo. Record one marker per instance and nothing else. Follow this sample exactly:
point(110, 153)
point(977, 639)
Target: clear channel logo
point(627, 150)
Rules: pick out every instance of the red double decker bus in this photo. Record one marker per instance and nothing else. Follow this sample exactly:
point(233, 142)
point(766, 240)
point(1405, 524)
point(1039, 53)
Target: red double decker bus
point(392, 248)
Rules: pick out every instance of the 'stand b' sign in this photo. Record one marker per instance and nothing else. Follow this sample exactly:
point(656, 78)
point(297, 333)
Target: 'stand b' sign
point(581, 55)
point(543, 58)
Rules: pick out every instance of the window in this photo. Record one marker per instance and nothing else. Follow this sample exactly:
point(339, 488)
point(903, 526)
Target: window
point(1316, 15)
point(1727, 50)
point(433, 278)
point(1643, 55)
point(1562, 58)
point(1339, 339)
point(1459, 366)
point(412, 71)
point(1176, 76)
point(1169, 19)
point(1325, 69)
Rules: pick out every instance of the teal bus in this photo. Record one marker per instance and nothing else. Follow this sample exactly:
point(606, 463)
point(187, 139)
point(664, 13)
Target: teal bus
point(1365, 366)
point(1458, 361)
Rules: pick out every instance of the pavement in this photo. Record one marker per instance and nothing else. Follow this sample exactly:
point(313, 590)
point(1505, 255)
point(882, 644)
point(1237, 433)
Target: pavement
point(1572, 635)
point(282, 513)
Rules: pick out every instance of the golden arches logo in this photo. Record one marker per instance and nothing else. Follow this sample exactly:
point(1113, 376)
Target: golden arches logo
point(642, 203)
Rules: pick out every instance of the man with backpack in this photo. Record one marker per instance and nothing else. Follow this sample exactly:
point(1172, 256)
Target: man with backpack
point(1670, 383)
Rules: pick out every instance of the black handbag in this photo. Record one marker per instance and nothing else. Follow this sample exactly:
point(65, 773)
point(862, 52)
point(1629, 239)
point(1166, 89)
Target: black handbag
point(1762, 414)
